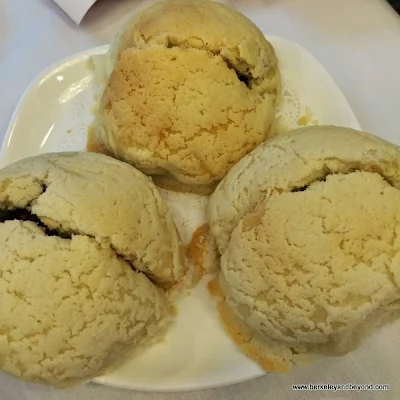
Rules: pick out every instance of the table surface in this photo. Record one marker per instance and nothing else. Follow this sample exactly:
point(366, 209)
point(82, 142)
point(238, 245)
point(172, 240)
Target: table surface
point(358, 41)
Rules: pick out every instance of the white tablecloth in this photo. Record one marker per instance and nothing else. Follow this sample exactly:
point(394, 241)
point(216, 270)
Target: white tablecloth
point(358, 41)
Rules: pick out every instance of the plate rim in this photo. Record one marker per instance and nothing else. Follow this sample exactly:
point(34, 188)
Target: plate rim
point(45, 73)
point(187, 389)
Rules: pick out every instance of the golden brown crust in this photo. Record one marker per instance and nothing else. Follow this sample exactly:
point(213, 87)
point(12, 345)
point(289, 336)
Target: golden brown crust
point(168, 182)
point(195, 252)
point(209, 26)
point(189, 94)
point(93, 145)
point(203, 253)
point(180, 113)
point(242, 336)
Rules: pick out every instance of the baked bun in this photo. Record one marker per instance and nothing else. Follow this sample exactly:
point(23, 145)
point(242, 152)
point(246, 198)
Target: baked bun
point(80, 236)
point(308, 226)
point(192, 88)
point(100, 197)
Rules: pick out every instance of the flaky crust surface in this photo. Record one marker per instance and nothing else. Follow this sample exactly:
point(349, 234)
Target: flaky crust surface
point(291, 162)
point(192, 90)
point(100, 197)
point(79, 233)
point(71, 309)
point(308, 226)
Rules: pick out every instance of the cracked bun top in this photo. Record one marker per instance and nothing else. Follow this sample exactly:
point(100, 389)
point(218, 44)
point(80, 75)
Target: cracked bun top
point(71, 308)
point(192, 88)
point(291, 162)
point(99, 197)
point(79, 232)
point(308, 226)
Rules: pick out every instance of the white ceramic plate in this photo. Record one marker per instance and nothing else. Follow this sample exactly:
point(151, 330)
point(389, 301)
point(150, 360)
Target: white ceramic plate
point(53, 115)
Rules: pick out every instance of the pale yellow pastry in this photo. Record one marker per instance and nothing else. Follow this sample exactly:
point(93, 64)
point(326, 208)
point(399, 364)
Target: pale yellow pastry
point(70, 308)
point(103, 198)
point(82, 237)
point(191, 88)
point(308, 226)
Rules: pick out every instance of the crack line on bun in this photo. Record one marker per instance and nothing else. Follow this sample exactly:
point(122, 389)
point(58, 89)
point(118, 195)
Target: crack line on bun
point(343, 167)
point(243, 74)
point(23, 212)
point(25, 215)
point(328, 172)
